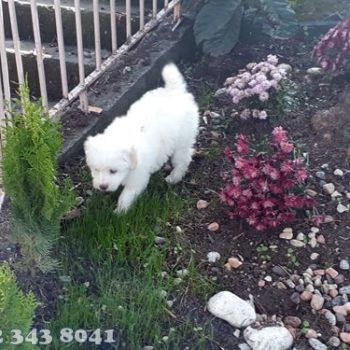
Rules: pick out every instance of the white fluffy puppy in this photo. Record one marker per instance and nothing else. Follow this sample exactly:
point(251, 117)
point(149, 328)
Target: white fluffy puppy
point(163, 123)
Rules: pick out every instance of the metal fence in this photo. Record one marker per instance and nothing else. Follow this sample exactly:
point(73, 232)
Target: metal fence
point(80, 91)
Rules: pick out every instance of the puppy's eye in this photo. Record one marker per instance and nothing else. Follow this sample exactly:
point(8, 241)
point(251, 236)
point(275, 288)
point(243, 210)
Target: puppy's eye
point(112, 171)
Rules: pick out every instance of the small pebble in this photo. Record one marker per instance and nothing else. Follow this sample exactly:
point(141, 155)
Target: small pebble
point(344, 264)
point(261, 283)
point(317, 345)
point(332, 272)
point(321, 239)
point(279, 271)
point(159, 240)
point(214, 226)
point(295, 298)
point(341, 310)
point(317, 302)
point(329, 188)
point(287, 233)
point(311, 333)
point(182, 273)
point(342, 208)
point(234, 262)
point(338, 172)
point(321, 175)
point(339, 279)
point(311, 193)
point(297, 244)
point(334, 342)
point(314, 256)
point(344, 290)
point(306, 295)
point(330, 317)
point(290, 283)
point(213, 257)
point(313, 242)
point(345, 337)
point(202, 204)
point(268, 279)
point(336, 194)
point(292, 321)
point(300, 236)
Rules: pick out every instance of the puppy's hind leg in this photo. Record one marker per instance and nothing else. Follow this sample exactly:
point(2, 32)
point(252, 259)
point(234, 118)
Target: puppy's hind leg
point(180, 160)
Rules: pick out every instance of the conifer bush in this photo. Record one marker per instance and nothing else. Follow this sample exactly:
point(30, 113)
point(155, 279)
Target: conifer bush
point(30, 180)
point(16, 310)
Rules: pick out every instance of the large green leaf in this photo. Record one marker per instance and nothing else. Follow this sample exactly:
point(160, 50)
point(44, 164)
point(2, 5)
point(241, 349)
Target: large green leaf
point(217, 26)
point(279, 18)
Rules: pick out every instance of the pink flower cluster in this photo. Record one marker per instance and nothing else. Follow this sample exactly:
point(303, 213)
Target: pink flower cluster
point(261, 187)
point(256, 80)
point(332, 50)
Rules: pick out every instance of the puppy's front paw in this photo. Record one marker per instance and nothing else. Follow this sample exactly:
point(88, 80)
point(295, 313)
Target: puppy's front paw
point(120, 209)
point(172, 180)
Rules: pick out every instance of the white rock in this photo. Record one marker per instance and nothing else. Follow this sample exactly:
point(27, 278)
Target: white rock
point(344, 264)
point(300, 236)
point(313, 242)
point(213, 257)
point(268, 338)
point(338, 172)
point(315, 71)
point(314, 256)
point(342, 208)
point(336, 194)
point(182, 273)
point(317, 345)
point(285, 66)
point(231, 308)
point(297, 244)
point(220, 92)
point(328, 188)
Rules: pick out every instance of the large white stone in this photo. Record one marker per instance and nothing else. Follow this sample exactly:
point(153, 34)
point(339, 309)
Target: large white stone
point(231, 308)
point(268, 338)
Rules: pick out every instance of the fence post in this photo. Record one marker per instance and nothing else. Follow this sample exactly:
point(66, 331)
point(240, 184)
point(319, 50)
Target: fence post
point(83, 95)
point(61, 49)
point(16, 41)
point(39, 53)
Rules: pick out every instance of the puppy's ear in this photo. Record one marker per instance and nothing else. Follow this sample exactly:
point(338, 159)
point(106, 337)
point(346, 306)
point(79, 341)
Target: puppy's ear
point(132, 157)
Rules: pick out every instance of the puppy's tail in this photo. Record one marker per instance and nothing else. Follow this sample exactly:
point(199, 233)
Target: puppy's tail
point(173, 78)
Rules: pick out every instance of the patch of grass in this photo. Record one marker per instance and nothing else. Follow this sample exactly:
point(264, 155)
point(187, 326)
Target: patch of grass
point(115, 271)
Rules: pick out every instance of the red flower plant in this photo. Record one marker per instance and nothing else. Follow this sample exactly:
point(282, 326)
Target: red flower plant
point(262, 187)
point(333, 48)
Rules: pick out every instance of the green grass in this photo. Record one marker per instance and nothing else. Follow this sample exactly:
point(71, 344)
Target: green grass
point(115, 271)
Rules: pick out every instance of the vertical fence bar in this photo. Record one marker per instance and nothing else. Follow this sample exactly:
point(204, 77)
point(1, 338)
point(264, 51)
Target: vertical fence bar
point(166, 3)
point(2, 138)
point(142, 14)
point(16, 41)
point(113, 27)
point(4, 62)
point(97, 34)
point(128, 19)
point(177, 11)
point(78, 29)
point(154, 9)
point(39, 52)
point(61, 49)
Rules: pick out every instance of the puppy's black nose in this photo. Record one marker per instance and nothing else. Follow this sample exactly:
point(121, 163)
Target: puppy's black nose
point(103, 187)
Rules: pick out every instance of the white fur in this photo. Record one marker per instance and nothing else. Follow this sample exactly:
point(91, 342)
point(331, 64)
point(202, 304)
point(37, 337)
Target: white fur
point(163, 123)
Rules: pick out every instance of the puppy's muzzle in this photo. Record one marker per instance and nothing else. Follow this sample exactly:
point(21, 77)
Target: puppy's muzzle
point(103, 187)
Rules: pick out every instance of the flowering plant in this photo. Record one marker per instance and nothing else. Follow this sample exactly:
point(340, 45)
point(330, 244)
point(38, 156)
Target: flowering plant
point(333, 48)
point(257, 82)
point(262, 187)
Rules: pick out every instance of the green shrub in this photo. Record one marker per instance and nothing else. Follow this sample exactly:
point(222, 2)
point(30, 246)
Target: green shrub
point(16, 310)
point(30, 180)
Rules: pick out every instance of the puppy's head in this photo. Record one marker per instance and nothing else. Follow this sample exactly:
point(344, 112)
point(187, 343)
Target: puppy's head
point(110, 163)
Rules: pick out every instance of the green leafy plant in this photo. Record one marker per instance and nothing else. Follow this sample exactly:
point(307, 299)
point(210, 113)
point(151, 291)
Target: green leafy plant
point(218, 23)
point(30, 180)
point(16, 310)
